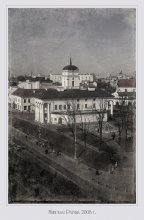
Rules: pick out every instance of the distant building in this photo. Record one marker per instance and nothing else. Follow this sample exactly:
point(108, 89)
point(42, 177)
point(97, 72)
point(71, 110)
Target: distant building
point(126, 85)
point(126, 97)
point(70, 77)
point(56, 78)
point(29, 85)
point(86, 77)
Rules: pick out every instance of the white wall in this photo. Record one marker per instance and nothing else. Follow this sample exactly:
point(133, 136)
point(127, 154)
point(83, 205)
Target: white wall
point(29, 85)
point(80, 118)
point(45, 109)
point(86, 77)
point(56, 78)
point(20, 103)
point(68, 77)
point(124, 89)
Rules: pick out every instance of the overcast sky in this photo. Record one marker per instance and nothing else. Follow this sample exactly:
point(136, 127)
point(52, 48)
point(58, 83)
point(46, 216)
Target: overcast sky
point(101, 41)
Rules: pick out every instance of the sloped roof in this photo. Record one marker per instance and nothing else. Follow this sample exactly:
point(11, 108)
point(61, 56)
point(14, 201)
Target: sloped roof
point(69, 94)
point(54, 94)
point(126, 83)
point(26, 93)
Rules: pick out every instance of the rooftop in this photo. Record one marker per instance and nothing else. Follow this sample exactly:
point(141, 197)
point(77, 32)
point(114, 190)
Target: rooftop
point(70, 67)
point(67, 94)
point(126, 83)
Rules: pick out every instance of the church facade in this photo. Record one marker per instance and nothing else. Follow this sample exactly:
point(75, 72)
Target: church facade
point(70, 77)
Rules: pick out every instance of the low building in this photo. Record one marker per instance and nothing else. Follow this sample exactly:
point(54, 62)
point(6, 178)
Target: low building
point(29, 85)
point(23, 99)
point(56, 78)
point(59, 107)
point(125, 98)
point(11, 89)
point(126, 85)
point(86, 77)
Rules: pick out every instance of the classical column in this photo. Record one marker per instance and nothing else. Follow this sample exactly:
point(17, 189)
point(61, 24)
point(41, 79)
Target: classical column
point(48, 113)
point(111, 110)
point(42, 113)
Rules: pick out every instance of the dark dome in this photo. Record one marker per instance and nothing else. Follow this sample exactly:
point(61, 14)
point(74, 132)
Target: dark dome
point(70, 67)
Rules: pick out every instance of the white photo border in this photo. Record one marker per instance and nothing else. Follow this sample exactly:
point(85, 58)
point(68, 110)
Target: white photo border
point(108, 211)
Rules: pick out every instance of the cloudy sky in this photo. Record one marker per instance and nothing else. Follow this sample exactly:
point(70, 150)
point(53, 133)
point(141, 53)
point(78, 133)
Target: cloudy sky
point(101, 41)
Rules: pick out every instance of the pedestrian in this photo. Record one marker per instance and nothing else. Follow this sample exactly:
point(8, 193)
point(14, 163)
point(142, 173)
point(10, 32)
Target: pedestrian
point(112, 170)
point(113, 135)
point(97, 172)
point(115, 165)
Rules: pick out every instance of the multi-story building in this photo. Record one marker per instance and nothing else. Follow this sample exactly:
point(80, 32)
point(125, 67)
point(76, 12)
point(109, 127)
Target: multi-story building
point(59, 107)
point(70, 77)
point(23, 99)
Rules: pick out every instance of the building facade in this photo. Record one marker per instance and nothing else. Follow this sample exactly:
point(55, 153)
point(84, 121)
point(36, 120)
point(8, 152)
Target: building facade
point(60, 107)
point(70, 77)
point(56, 78)
point(23, 99)
point(86, 77)
point(29, 85)
point(126, 85)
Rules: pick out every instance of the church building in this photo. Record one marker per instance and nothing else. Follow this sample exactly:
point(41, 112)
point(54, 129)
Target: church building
point(70, 77)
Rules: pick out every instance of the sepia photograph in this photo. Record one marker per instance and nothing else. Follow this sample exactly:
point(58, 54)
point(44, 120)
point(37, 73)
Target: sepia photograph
point(72, 105)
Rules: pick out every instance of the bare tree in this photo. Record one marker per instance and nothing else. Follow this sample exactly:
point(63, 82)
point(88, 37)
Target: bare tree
point(84, 127)
point(69, 116)
point(100, 115)
point(126, 117)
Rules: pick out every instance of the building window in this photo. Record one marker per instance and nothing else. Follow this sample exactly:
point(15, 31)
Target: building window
point(77, 100)
point(55, 119)
point(85, 105)
point(125, 90)
point(72, 83)
point(55, 107)
point(93, 99)
point(24, 100)
point(85, 100)
point(25, 107)
point(64, 107)
point(94, 105)
point(60, 107)
point(29, 100)
point(77, 106)
point(68, 106)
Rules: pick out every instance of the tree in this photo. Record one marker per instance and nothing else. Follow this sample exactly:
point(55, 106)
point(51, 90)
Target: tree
point(70, 119)
point(84, 127)
point(21, 78)
point(100, 115)
point(125, 116)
